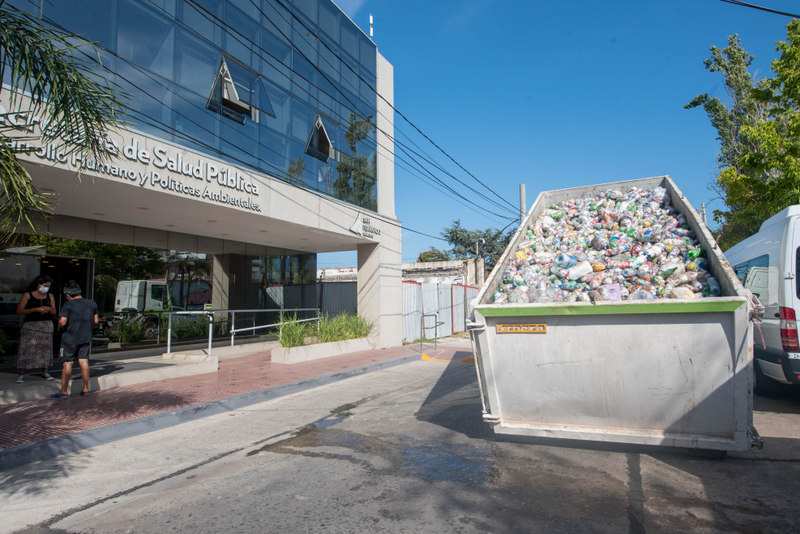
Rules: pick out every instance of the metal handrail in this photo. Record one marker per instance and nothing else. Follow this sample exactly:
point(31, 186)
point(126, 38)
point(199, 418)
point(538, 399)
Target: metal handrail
point(233, 331)
point(436, 324)
point(253, 328)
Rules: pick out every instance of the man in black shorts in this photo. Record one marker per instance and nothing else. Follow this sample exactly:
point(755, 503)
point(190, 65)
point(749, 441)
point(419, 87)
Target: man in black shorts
point(78, 318)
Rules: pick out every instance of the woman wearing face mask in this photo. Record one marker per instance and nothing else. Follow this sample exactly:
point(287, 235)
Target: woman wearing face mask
point(37, 308)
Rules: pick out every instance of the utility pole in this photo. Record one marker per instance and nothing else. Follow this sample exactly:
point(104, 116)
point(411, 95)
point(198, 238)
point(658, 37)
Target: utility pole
point(703, 212)
point(478, 243)
point(523, 207)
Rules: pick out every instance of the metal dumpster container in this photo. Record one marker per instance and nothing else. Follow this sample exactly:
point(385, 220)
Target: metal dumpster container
point(668, 372)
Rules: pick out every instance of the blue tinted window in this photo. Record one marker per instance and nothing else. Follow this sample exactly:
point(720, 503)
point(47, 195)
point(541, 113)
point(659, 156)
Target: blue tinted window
point(275, 48)
point(91, 19)
point(308, 8)
point(349, 40)
point(247, 7)
point(242, 34)
point(367, 55)
point(196, 63)
point(329, 20)
point(147, 40)
point(192, 117)
point(287, 63)
point(167, 6)
point(200, 21)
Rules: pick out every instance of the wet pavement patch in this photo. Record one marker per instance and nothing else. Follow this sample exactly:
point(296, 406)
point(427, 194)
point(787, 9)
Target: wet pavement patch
point(396, 456)
point(436, 463)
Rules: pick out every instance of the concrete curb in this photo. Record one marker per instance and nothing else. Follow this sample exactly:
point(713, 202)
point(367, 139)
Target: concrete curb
point(317, 351)
point(54, 447)
point(222, 352)
point(44, 390)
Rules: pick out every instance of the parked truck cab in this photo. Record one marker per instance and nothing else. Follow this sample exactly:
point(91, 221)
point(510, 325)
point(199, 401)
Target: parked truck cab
point(767, 263)
point(141, 296)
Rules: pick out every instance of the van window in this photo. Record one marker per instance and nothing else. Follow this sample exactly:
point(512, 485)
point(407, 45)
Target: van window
point(797, 271)
point(754, 275)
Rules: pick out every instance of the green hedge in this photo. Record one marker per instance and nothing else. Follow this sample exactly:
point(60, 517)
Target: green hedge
point(338, 328)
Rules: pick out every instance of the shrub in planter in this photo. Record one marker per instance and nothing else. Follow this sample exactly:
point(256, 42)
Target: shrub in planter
point(342, 327)
point(190, 328)
point(127, 330)
point(292, 333)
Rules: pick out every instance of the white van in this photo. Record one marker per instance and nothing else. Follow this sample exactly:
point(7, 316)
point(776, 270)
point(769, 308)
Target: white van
point(767, 263)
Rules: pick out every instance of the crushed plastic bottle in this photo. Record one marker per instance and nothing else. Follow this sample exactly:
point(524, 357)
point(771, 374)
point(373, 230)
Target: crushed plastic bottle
point(612, 246)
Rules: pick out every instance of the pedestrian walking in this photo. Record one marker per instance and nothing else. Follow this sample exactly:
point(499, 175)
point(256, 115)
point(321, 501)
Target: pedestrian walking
point(38, 309)
point(78, 318)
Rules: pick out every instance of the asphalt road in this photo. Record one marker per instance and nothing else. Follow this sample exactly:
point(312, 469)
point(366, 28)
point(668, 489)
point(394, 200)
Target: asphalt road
point(401, 450)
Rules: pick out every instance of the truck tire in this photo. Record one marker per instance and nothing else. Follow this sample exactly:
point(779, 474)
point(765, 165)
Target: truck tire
point(150, 329)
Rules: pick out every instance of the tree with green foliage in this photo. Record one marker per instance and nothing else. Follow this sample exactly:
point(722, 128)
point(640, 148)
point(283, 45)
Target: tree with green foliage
point(112, 262)
point(491, 242)
point(75, 111)
point(356, 173)
point(296, 169)
point(124, 262)
point(433, 254)
point(759, 134)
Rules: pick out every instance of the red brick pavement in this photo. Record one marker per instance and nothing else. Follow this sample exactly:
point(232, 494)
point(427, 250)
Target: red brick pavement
point(31, 421)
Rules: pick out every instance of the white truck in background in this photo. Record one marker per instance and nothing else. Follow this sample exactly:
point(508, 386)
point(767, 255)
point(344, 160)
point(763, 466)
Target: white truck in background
point(140, 296)
point(142, 301)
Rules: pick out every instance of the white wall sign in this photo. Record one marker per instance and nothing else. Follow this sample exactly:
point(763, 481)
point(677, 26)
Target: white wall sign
point(165, 168)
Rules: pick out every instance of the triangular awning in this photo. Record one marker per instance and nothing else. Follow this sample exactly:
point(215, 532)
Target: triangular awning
point(319, 142)
point(225, 96)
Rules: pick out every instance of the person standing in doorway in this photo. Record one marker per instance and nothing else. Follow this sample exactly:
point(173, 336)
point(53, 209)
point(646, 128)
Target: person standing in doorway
point(38, 309)
point(78, 318)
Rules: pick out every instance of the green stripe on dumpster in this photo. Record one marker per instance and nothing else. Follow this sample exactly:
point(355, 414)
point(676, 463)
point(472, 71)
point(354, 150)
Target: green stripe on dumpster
point(702, 306)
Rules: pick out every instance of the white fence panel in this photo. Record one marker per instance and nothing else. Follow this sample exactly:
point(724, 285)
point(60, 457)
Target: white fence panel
point(412, 311)
point(458, 292)
point(445, 310)
point(449, 301)
point(430, 305)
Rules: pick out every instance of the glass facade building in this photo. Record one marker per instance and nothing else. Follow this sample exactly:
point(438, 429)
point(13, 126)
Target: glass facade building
point(297, 64)
point(281, 88)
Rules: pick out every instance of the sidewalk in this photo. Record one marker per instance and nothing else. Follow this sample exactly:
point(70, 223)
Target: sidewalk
point(33, 421)
point(106, 374)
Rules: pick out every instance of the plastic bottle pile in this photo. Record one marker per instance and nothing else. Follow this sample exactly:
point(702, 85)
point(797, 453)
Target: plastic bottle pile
point(612, 246)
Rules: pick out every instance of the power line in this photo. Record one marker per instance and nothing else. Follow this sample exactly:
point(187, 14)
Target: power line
point(761, 8)
point(480, 209)
point(373, 89)
point(252, 46)
point(160, 125)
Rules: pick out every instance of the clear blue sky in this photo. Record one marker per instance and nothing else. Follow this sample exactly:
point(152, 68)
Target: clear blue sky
point(557, 93)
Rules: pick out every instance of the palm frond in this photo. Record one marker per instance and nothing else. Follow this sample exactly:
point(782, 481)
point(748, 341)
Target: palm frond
point(46, 80)
point(19, 199)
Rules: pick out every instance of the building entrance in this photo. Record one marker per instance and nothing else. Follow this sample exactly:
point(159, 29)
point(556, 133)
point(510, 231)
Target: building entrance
point(17, 272)
point(137, 287)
